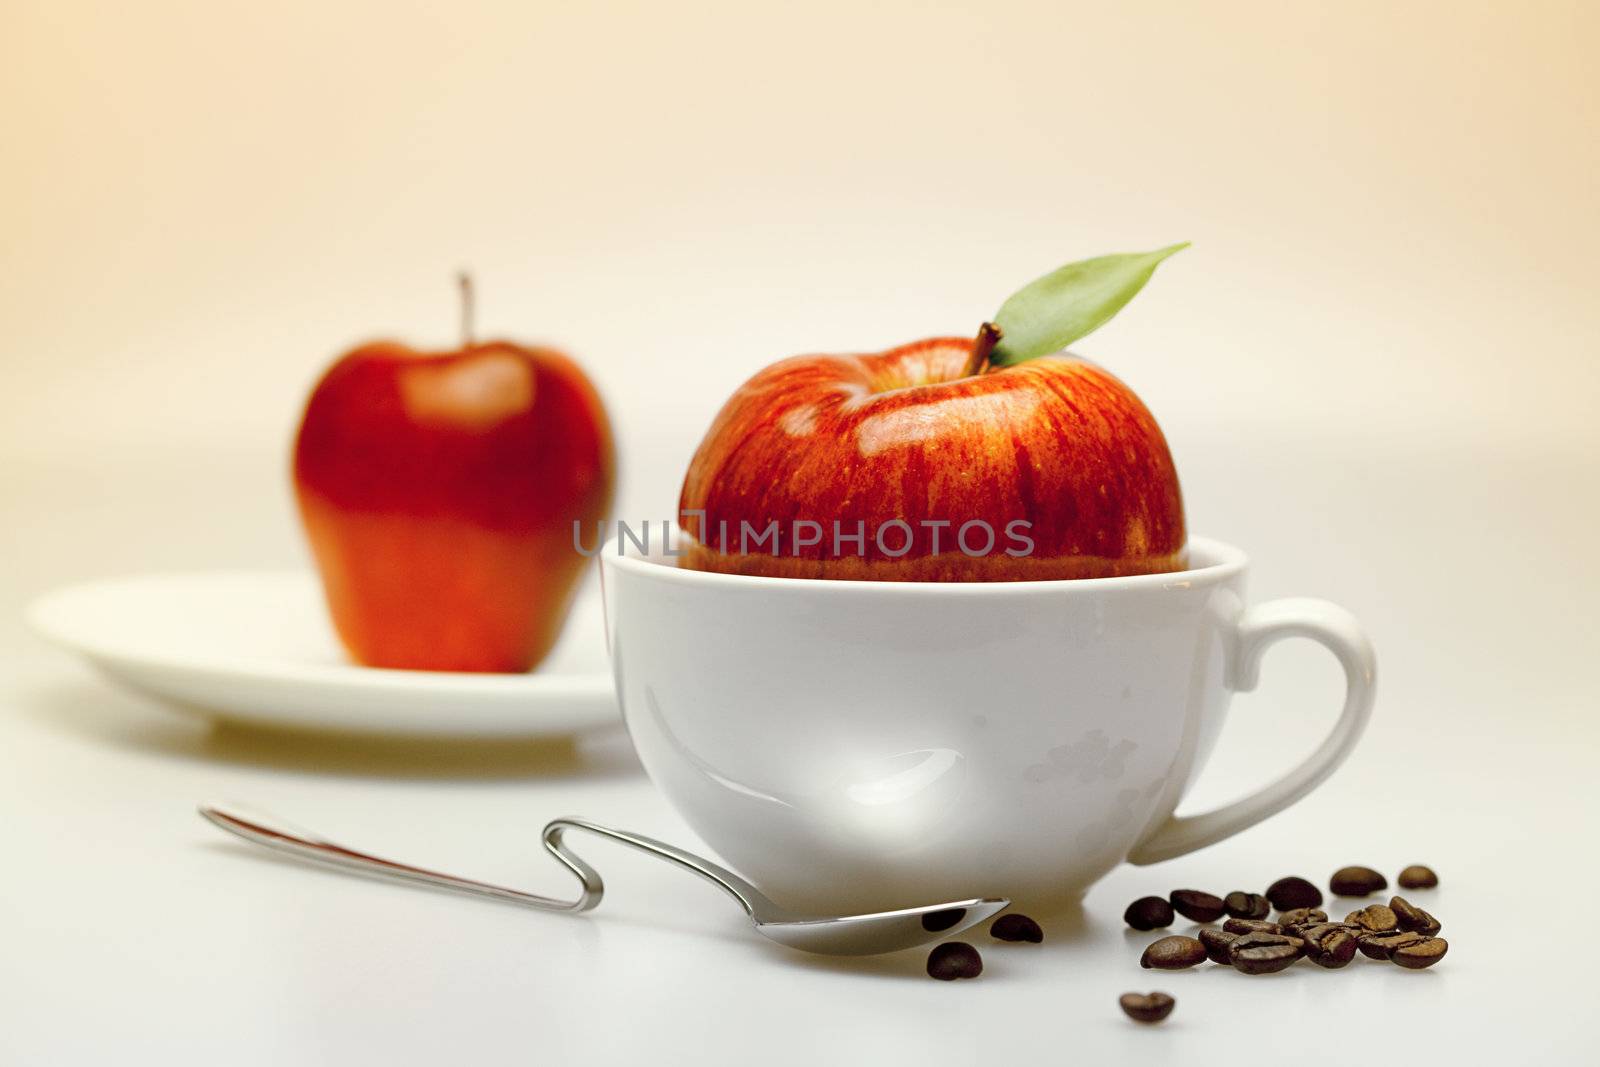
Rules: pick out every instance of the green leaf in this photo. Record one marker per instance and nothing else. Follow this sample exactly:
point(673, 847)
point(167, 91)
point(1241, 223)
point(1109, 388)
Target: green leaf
point(1050, 313)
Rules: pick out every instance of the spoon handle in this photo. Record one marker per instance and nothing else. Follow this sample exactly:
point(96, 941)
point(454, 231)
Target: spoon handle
point(302, 844)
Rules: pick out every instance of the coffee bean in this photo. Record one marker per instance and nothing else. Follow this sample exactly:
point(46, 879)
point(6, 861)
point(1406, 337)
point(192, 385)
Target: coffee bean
point(1265, 953)
point(943, 919)
point(1330, 945)
point(1382, 946)
point(954, 959)
point(1293, 892)
point(1247, 905)
point(1357, 882)
point(1148, 913)
point(1415, 955)
point(1375, 919)
point(1302, 917)
point(1146, 1007)
point(1173, 953)
point(1251, 926)
point(1302, 929)
point(1015, 927)
point(1417, 876)
point(1413, 918)
point(1197, 906)
point(1216, 943)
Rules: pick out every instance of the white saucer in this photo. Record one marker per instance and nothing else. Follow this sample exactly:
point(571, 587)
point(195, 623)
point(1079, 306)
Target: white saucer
point(257, 647)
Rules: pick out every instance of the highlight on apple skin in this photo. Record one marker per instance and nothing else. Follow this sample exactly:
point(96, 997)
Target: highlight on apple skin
point(438, 493)
point(912, 434)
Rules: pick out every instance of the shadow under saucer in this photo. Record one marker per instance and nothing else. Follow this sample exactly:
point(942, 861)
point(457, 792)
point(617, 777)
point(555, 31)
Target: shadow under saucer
point(128, 721)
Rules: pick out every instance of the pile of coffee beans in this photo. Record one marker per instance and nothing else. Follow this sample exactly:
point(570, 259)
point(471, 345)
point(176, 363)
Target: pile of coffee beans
point(1398, 932)
point(957, 959)
point(1248, 941)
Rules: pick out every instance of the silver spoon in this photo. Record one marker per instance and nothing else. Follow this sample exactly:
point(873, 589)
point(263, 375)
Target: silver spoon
point(838, 935)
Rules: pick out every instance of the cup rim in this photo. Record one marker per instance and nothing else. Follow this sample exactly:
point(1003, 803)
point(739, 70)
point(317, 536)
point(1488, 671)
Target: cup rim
point(1222, 561)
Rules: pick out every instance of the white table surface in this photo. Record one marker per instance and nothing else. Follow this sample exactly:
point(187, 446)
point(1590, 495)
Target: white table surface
point(135, 933)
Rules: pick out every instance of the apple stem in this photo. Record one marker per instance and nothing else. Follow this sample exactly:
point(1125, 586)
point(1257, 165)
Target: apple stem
point(982, 348)
point(468, 307)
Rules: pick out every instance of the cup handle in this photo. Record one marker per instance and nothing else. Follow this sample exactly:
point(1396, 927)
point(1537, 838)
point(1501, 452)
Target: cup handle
point(1257, 628)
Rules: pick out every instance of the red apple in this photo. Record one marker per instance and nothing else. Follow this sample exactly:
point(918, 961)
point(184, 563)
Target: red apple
point(439, 491)
point(1053, 466)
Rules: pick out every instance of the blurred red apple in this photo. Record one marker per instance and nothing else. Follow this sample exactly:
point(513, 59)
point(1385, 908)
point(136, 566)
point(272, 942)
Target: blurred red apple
point(926, 463)
point(439, 491)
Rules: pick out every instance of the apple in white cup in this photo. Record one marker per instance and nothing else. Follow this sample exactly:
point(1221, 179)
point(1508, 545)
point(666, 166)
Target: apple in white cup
point(952, 729)
point(994, 458)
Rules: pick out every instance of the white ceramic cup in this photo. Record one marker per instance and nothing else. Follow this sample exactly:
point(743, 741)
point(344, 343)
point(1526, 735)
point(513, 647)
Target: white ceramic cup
point(861, 745)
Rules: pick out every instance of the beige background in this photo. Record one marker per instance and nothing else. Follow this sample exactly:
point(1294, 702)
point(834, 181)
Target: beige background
point(1392, 205)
